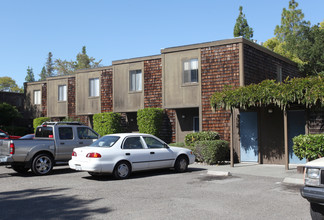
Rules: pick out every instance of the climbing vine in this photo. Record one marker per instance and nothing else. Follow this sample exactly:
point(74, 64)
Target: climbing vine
point(305, 91)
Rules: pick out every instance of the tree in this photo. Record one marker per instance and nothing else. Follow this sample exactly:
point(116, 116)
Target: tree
point(291, 21)
point(7, 84)
point(242, 27)
point(83, 61)
point(30, 75)
point(49, 65)
point(308, 45)
point(42, 75)
point(8, 113)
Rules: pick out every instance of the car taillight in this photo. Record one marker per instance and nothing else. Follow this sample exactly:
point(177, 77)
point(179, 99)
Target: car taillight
point(74, 154)
point(93, 155)
point(12, 148)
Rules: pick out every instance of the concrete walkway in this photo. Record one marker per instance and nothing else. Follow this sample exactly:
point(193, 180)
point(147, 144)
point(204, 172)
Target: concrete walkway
point(290, 176)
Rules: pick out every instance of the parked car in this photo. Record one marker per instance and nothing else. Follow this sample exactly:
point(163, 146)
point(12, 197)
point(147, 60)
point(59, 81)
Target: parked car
point(5, 135)
point(28, 137)
point(121, 154)
point(313, 190)
point(53, 144)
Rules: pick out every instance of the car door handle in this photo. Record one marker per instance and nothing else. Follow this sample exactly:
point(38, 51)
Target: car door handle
point(62, 143)
point(152, 152)
point(127, 154)
point(80, 142)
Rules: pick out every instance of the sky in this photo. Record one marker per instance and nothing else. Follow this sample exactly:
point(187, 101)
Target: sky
point(121, 29)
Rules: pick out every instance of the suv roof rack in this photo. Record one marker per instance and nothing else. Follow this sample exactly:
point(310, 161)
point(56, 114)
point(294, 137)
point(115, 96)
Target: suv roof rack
point(62, 123)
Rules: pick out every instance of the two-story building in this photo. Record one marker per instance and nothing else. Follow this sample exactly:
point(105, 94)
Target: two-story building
point(180, 80)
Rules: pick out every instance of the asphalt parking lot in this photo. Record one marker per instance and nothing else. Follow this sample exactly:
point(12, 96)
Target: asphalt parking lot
point(160, 194)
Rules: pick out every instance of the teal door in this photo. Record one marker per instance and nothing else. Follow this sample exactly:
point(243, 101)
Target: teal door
point(249, 136)
point(296, 126)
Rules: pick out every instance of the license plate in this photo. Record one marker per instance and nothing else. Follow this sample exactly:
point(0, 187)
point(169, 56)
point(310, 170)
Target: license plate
point(78, 167)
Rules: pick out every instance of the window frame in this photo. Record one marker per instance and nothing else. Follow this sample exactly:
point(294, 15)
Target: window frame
point(37, 98)
point(94, 87)
point(138, 83)
point(62, 93)
point(187, 71)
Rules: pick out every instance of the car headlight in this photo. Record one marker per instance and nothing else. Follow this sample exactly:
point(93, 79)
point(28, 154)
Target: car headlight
point(312, 176)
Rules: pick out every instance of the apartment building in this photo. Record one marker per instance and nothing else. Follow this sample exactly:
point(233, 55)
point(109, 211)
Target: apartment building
point(180, 80)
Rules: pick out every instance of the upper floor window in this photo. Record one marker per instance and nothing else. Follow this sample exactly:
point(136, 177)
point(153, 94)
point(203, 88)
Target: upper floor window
point(62, 92)
point(135, 80)
point(94, 87)
point(279, 73)
point(190, 71)
point(37, 97)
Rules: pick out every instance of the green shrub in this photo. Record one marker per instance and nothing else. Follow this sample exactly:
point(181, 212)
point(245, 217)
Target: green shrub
point(191, 138)
point(309, 146)
point(149, 120)
point(39, 121)
point(211, 152)
point(177, 144)
point(107, 123)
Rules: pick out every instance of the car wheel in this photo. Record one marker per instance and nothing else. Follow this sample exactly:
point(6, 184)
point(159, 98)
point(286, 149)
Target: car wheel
point(122, 170)
point(42, 164)
point(20, 169)
point(316, 211)
point(181, 164)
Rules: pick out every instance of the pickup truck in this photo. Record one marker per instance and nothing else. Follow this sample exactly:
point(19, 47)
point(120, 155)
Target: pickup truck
point(53, 145)
point(313, 190)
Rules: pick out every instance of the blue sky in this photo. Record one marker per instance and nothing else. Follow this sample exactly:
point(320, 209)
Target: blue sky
point(121, 29)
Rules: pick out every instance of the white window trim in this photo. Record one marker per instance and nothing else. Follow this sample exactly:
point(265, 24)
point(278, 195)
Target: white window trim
point(189, 65)
point(94, 85)
point(37, 97)
point(135, 80)
point(62, 93)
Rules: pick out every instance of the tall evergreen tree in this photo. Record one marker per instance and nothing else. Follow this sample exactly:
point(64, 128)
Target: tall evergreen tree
point(43, 75)
point(49, 65)
point(83, 60)
point(242, 27)
point(30, 75)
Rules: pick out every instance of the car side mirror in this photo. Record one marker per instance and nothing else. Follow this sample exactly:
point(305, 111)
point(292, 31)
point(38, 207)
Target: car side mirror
point(166, 146)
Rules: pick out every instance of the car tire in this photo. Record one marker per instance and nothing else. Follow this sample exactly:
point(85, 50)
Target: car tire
point(122, 170)
point(316, 211)
point(20, 169)
point(181, 164)
point(42, 164)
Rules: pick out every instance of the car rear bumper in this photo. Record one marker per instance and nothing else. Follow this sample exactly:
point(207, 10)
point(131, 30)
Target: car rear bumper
point(91, 167)
point(313, 194)
point(6, 160)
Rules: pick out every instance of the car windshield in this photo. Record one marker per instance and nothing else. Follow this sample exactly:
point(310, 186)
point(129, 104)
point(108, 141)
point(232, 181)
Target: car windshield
point(106, 141)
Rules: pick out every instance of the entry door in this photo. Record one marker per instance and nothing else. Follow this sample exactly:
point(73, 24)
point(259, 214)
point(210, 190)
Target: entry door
point(249, 136)
point(296, 126)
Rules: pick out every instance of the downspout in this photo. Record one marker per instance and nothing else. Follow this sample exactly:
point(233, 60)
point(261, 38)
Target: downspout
point(286, 139)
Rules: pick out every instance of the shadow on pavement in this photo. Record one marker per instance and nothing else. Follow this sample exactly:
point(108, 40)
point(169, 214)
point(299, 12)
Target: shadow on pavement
point(45, 203)
point(142, 174)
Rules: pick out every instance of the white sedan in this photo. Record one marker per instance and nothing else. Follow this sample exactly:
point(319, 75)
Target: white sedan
point(120, 154)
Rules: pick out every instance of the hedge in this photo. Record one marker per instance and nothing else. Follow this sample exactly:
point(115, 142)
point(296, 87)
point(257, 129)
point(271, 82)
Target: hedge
point(39, 121)
point(107, 123)
point(211, 152)
point(309, 146)
point(191, 138)
point(149, 120)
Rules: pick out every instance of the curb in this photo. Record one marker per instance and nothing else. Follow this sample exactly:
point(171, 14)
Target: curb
point(218, 173)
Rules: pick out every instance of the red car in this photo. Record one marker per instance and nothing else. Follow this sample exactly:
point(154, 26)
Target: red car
point(5, 135)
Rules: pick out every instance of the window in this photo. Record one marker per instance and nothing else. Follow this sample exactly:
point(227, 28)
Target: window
point(66, 133)
point(190, 71)
point(44, 132)
point(106, 141)
point(86, 133)
point(135, 80)
point(133, 143)
point(153, 143)
point(62, 93)
point(196, 124)
point(279, 73)
point(94, 87)
point(37, 97)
